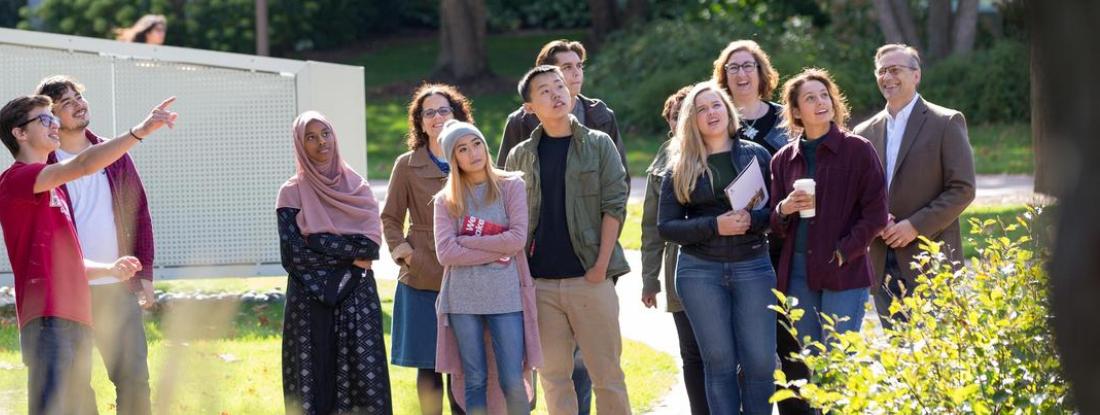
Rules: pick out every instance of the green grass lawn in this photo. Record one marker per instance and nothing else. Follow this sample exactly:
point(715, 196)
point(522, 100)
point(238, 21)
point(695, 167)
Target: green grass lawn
point(1002, 148)
point(404, 60)
point(201, 365)
point(631, 237)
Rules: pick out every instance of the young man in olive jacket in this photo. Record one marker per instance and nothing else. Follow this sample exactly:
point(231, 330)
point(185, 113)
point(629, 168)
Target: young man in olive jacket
point(574, 177)
point(569, 56)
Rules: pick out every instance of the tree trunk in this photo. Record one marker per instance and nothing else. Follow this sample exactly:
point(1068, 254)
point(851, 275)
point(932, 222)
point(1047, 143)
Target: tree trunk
point(462, 53)
point(966, 27)
point(605, 18)
point(1063, 36)
point(887, 22)
point(907, 23)
point(637, 11)
point(939, 29)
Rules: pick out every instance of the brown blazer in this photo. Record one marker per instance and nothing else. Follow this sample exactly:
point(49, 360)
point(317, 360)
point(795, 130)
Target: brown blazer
point(413, 183)
point(933, 180)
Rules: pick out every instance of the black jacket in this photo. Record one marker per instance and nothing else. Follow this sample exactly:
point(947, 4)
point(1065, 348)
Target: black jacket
point(694, 225)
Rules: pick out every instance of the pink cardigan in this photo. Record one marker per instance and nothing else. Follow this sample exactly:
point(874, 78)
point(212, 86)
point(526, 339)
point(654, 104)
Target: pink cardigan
point(454, 250)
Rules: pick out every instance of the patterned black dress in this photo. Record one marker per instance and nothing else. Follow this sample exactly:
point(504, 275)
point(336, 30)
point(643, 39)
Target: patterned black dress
point(334, 356)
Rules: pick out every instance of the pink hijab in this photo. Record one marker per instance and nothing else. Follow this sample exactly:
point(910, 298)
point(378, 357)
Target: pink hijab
point(332, 197)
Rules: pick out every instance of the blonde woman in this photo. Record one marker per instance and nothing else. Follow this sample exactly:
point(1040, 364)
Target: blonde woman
point(723, 274)
point(480, 232)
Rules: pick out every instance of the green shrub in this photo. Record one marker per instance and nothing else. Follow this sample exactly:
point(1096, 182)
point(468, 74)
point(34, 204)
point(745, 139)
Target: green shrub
point(639, 67)
point(989, 85)
point(229, 25)
point(977, 340)
point(507, 15)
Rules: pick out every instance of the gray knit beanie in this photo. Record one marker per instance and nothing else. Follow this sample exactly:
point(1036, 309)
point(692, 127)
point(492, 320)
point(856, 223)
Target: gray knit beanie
point(452, 131)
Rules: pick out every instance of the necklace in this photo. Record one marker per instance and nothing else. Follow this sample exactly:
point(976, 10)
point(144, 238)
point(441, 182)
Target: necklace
point(749, 127)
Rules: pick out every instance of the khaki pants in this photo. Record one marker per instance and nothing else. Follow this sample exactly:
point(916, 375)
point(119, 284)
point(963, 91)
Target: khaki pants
point(574, 312)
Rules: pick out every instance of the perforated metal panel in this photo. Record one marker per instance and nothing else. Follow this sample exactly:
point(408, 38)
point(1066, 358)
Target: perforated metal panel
point(211, 181)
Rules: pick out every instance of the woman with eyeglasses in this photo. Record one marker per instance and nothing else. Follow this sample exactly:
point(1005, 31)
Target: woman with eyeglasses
point(745, 71)
point(334, 355)
point(417, 176)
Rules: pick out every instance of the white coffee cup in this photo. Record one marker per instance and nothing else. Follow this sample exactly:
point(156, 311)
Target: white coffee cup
point(806, 185)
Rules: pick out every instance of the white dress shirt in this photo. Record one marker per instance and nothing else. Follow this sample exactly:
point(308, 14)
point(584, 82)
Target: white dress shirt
point(895, 130)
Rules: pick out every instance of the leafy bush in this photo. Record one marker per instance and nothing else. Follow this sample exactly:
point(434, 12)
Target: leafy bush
point(519, 14)
point(639, 67)
point(229, 25)
point(989, 85)
point(977, 339)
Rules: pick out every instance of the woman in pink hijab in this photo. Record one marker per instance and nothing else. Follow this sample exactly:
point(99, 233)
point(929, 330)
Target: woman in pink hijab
point(334, 357)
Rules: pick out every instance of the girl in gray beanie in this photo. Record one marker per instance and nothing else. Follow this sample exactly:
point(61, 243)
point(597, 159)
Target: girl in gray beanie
point(480, 233)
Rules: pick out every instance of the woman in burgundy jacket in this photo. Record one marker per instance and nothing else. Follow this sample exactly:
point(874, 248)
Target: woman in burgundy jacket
point(824, 260)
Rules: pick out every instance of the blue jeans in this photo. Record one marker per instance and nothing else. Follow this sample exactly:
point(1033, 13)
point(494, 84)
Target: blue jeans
point(58, 355)
point(506, 332)
point(727, 304)
point(582, 383)
point(847, 303)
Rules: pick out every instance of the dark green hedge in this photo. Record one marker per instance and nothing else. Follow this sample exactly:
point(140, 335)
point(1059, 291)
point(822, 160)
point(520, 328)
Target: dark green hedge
point(638, 68)
point(228, 25)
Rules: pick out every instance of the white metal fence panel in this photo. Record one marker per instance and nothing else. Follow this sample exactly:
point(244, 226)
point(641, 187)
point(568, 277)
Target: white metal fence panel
point(212, 180)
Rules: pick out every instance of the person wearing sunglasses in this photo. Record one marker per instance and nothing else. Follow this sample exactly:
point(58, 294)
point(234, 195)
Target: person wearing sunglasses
point(925, 151)
point(111, 214)
point(53, 301)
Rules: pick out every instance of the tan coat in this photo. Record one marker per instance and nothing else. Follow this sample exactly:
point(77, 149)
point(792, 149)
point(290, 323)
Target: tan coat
point(933, 180)
point(413, 183)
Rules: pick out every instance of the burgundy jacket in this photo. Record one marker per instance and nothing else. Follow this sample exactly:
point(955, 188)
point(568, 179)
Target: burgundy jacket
point(132, 221)
point(851, 210)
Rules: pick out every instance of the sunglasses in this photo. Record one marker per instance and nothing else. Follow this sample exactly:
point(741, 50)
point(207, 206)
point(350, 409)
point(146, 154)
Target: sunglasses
point(45, 118)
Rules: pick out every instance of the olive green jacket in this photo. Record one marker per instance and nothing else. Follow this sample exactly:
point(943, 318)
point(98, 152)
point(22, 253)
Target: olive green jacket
point(656, 253)
point(595, 185)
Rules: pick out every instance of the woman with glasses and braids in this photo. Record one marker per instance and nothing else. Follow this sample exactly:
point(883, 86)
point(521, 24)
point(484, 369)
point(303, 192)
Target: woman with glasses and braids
point(417, 176)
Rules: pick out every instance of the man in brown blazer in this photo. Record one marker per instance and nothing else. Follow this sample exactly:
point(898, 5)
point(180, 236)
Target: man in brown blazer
point(926, 154)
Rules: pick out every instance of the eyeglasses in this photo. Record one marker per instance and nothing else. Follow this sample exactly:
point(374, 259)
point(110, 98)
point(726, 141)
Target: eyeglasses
point(893, 70)
point(734, 68)
point(45, 118)
point(442, 111)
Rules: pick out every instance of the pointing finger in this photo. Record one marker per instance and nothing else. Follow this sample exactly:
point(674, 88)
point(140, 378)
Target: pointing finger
point(166, 103)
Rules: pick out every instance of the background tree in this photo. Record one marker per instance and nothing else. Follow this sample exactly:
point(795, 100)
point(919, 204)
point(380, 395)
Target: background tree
point(605, 18)
point(948, 32)
point(1066, 134)
point(463, 56)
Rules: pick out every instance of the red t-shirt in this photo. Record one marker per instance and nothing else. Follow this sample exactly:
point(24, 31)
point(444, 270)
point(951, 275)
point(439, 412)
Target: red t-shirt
point(42, 247)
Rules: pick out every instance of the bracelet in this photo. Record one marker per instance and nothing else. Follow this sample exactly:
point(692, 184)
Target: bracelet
point(135, 135)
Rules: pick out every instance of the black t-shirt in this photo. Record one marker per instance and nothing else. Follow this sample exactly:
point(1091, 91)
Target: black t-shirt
point(762, 125)
point(553, 250)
